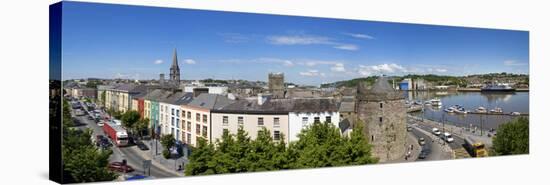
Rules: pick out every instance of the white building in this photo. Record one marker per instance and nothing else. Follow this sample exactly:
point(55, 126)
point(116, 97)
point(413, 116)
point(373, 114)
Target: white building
point(222, 90)
point(300, 120)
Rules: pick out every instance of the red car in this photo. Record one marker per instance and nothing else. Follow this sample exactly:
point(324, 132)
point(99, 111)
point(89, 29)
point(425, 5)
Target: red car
point(120, 167)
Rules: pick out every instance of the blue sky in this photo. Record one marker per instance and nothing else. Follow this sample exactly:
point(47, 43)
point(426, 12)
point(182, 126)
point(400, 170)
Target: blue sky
point(110, 41)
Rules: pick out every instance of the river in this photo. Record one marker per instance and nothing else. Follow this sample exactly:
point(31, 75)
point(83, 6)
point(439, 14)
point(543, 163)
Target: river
point(509, 102)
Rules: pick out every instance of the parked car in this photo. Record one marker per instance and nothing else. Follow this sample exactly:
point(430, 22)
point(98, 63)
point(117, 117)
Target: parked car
point(409, 128)
point(120, 167)
point(98, 140)
point(101, 123)
point(105, 143)
point(436, 131)
point(421, 141)
point(141, 145)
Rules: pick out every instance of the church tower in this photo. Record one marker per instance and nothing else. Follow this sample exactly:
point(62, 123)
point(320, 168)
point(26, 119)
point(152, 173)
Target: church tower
point(175, 70)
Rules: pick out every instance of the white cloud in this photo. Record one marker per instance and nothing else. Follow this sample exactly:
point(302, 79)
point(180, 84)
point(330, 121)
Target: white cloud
point(312, 73)
point(513, 63)
point(360, 36)
point(309, 40)
point(190, 61)
point(381, 69)
point(338, 67)
point(298, 40)
point(441, 70)
point(311, 63)
point(349, 47)
point(159, 61)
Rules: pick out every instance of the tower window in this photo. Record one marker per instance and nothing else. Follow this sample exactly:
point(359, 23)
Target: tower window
point(381, 105)
point(380, 118)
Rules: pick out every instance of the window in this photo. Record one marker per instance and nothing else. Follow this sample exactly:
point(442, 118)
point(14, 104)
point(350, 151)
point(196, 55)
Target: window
point(380, 118)
point(172, 112)
point(276, 122)
point(172, 121)
point(204, 131)
point(177, 123)
point(381, 105)
point(240, 121)
point(188, 115)
point(198, 117)
point(304, 121)
point(225, 121)
point(205, 118)
point(177, 112)
point(316, 120)
point(260, 121)
point(183, 137)
point(328, 119)
point(189, 126)
point(172, 131)
point(198, 129)
point(276, 135)
point(188, 138)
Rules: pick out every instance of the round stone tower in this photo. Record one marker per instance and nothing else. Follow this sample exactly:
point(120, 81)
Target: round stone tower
point(383, 111)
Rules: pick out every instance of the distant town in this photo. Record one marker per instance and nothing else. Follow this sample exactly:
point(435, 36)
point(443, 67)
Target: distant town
point(156, 127)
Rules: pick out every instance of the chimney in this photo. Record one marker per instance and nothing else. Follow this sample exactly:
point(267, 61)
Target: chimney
point(261, 99)
point(161, 80)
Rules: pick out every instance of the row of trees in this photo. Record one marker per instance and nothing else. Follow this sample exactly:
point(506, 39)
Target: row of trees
point(319, 145)
point(512, 138)
point(82, 161)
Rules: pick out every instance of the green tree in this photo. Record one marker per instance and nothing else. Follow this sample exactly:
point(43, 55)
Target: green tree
point(82, 162)
point(130, 119)
point(201, 161)
point(102, 98)
point(167, 142)
point(357, 149)
point(262, 151)
point(87, 164)
point(227, 163)
point(319, 145)
point(512, 138)
point(242, 147)
point(142, 127)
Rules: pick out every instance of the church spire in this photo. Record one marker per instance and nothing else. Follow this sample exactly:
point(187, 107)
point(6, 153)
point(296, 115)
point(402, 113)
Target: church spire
point(175, 69)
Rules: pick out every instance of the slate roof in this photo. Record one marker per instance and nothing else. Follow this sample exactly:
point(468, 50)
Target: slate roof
point(176, 98)
point(281, 106)
point(210, 101)
point(155, 95)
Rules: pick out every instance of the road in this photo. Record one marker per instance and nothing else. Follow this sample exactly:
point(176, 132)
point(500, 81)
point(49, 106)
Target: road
point(437, 151)
point(129, 153)
point(456, 144)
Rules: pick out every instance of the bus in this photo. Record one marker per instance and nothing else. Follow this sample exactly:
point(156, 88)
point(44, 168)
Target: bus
point(117, 133)
point(475, 148)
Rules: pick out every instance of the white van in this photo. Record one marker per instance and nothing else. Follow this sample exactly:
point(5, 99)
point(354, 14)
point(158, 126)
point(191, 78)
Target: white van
point(448, 137)
point(436, 131)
